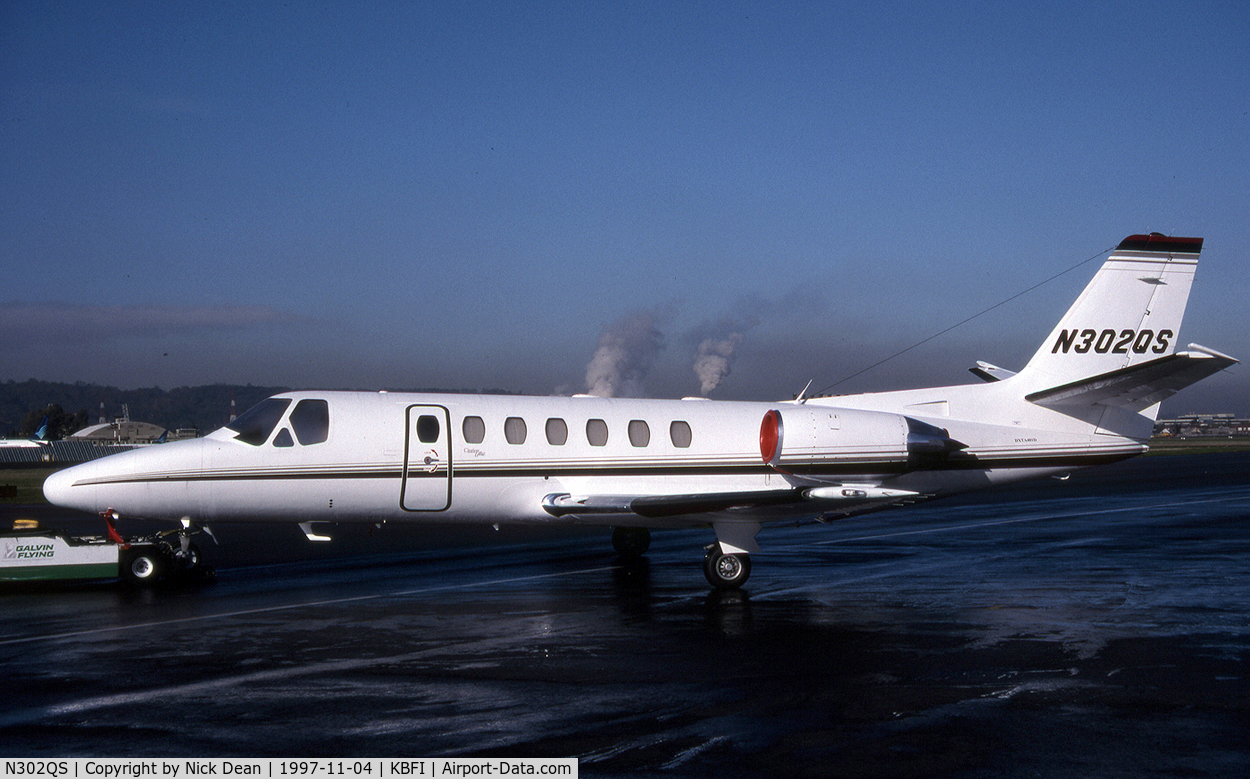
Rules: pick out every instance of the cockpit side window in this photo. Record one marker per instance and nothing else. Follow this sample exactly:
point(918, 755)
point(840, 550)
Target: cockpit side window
point(311, 421)
point(254, 425)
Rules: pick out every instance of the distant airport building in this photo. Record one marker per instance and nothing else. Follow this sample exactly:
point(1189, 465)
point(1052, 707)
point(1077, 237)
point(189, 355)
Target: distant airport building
point(123, 431)
point(1202, 426)
point(90, 443)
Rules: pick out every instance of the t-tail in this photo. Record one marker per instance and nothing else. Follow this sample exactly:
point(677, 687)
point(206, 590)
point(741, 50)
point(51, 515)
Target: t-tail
point(1112, 358)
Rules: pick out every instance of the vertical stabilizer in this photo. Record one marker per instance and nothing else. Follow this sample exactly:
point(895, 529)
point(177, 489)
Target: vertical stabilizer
point(41, 435)
point(1129, 314)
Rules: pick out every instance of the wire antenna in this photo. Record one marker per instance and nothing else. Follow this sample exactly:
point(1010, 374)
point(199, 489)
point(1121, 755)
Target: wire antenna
point(999, 304)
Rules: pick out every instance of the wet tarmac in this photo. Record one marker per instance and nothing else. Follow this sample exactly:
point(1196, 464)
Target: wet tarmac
point(1095, 627)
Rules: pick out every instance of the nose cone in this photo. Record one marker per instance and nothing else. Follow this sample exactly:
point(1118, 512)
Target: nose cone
point(64, 489)
point(152, 482)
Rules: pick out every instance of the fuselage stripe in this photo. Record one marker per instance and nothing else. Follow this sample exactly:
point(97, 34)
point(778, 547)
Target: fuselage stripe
point(1034, 459)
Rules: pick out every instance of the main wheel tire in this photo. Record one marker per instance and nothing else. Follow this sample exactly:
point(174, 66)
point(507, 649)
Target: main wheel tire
point(631, 542)
point(726, 571)
point(142, 566)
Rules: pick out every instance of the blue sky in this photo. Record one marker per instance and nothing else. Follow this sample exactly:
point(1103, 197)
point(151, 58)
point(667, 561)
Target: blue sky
point(370, 195)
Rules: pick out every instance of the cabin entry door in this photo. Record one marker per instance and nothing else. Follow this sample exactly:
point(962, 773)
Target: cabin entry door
point(427, 460)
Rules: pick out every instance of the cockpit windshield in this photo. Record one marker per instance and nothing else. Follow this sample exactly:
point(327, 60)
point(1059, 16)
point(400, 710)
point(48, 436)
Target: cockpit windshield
point(254, 425)
point(311, 421)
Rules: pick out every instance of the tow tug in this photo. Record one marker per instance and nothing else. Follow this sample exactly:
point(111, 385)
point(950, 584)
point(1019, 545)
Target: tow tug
point(34, 553)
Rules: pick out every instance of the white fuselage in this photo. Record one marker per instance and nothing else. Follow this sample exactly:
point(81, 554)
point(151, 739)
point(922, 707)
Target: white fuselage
point(494, 459)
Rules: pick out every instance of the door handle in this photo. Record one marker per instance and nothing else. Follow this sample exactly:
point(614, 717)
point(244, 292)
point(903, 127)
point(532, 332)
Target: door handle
point(431, 460)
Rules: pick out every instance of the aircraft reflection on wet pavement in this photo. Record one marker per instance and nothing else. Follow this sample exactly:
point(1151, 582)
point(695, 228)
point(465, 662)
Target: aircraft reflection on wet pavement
point(1098, 626)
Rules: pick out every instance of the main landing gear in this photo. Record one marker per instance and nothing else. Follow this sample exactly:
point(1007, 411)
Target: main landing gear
point(726, 571)
point(631, 542)
point(727, 564)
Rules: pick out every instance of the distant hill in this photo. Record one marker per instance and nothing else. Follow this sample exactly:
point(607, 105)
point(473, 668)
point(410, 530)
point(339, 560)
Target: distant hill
point(205, 408)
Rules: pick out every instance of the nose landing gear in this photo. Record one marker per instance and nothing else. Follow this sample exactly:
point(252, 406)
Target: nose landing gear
point(168, 554)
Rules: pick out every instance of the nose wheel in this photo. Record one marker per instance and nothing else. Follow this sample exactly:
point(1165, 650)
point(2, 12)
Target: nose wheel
point(726, 571)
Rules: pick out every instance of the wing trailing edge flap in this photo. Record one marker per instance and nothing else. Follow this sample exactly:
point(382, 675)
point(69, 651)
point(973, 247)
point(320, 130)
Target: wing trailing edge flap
point(563, 504)
point(1136, 387)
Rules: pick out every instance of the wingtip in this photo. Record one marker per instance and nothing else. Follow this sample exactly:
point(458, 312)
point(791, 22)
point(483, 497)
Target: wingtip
point(1205, 351)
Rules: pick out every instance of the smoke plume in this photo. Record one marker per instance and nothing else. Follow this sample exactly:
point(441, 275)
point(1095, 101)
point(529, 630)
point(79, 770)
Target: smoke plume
point(627, 351)
point(718, 344)
point(714, 361)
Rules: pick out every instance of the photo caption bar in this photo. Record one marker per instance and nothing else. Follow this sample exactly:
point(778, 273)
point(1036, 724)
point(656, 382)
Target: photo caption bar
point(279, 768)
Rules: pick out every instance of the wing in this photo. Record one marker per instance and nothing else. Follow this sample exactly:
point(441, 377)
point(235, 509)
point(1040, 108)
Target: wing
point(695, 507)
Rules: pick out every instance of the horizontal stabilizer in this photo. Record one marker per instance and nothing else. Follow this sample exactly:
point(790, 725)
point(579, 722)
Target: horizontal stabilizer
point(1137, 387)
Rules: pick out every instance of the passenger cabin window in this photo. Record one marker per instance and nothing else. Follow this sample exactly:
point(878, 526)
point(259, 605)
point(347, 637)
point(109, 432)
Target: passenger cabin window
point(427, 429)
point(679, 433)
point(474, 430)
point(514, 430)
point(557, 432)
point(311, 421)
point(597, 432)
point(255, 424)
point(639, 433)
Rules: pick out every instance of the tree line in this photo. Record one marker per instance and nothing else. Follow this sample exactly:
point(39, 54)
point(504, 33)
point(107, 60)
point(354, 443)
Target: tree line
point(71, 407)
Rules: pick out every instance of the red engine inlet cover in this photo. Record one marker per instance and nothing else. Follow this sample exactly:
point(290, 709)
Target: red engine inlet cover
point(770, 437)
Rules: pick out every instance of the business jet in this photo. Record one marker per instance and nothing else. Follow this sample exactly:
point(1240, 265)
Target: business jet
point(1089, 395)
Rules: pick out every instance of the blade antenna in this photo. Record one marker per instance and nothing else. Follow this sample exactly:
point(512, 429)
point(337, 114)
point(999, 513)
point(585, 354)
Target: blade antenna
point(801, 398)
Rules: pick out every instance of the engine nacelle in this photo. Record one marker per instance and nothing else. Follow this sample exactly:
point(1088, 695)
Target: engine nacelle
point(820, 440)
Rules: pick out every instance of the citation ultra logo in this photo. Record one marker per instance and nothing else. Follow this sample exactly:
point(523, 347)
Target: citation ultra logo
point(1109, 341)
